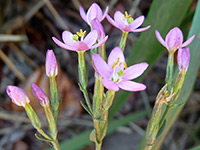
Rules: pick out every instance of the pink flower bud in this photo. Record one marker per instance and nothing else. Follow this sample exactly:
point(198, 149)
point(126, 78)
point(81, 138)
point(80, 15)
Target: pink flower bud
point(183, 58)
point(39, 94)
point(17, 95)
point(51, 64)
point(96, 25)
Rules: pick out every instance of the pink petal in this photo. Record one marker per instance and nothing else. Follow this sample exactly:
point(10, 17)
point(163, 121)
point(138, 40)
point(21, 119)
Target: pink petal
point(119, 17)
point(112, 21)
point(109, 84)
point(100, 43)
point(101, 66)
point(174, 38)
point(82, 13)
point(141, 29)
point(104, 15)
point(68, 38)
point(188, 41)
point(136, 23)
point(131, 86)
point(80, 46)
point(97, 26)
point(94, 12)
point(114, 55)
point(160, 39)
point(183, 58)
point(61, 44)
point(91, 38)
point(134, 71)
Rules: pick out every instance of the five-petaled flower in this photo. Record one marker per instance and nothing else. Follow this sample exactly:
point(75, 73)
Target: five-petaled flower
point(17, 95)
point(126, 22)
point(51, 65)
point(115, 73)
point(40, 95)
point(173, 40)
point(93, 12)
point(183, 58)
point(72, 42)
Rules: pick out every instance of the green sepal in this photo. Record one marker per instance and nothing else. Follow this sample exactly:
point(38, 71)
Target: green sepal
point(32, 116)
point(54, 102)
point(161, 129)
point(39, 137)
point(86, 108)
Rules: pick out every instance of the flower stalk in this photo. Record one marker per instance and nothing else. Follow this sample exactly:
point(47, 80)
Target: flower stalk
point(170, 71)
point(55, 102)
point(83, 80)
point(122, 43)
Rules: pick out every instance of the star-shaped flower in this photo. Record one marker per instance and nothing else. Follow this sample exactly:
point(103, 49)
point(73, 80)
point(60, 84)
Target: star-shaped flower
point(174, 39)
point(78, 41)
point(115, 74)
point(126, 22)
point(94, 12)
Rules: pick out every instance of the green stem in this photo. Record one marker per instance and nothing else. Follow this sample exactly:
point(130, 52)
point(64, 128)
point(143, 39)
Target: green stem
point(98, 97)
point(83, 77)
point(98, 146)
point(122, 43)
point(56, 145)
point(102, 51)
point(54, 103)
point(170, 71)
point(51, 122)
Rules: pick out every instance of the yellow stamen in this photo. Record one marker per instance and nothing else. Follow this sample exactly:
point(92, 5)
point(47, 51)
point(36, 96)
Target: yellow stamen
point(81, 33)
point(115, 63)
point(125, 65)
point(127, 15)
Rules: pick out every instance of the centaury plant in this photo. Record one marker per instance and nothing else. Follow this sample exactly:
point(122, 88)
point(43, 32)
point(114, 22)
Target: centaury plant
point(110, 75)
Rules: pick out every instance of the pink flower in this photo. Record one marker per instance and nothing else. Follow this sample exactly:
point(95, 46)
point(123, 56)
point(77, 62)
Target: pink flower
point(115, 73)
point(39, 94)
point(183, 58)
point(126, 22)
point(51, 64)
point(97, 26)
point(17, 95)
point(174, 39)
point(94, 12)
point(72, 42)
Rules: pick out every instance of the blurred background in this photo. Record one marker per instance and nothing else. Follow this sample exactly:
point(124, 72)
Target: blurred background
point(26, 28)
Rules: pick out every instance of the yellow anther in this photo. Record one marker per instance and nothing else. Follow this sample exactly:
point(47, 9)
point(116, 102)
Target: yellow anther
point(127, 15)
point(81, 33)
point(115, 63)
point(120, 63)
point(125, 65)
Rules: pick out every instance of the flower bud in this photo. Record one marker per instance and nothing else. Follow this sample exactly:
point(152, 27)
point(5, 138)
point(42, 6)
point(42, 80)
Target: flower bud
point(183, 58)
point(40, 95)
point(96, 25)
point(17, 95)
point(51, 64)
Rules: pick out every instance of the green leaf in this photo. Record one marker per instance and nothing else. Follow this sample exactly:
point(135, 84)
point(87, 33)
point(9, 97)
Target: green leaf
point(161, 129)
point(195, 148)
point(42, 138)
point(86, 108)
point(82, 139)
point(190, 76)
point(163, 16)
